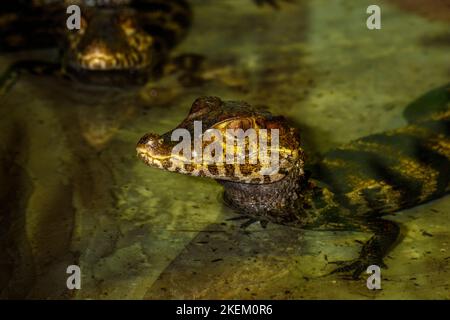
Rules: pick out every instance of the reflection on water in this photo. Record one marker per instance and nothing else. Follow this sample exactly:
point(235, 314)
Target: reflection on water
point(72, 191)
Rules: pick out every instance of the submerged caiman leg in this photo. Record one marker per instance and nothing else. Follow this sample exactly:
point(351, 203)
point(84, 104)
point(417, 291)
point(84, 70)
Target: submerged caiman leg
point(351, 188)
point(386, 233)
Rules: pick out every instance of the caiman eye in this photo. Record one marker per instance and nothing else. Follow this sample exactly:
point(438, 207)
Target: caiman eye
point(243, 124)
point(205, 104)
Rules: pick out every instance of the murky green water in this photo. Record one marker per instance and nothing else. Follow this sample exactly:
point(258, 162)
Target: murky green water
point(73, 192)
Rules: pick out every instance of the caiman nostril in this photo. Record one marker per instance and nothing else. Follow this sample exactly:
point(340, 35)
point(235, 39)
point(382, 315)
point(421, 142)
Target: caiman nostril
point(148, 141)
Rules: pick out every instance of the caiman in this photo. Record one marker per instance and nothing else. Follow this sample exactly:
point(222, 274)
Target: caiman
point(351, 188)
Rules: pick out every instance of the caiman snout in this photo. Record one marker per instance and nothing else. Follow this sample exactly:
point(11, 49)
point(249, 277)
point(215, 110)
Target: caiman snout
point(148, 144)
point(98, 57)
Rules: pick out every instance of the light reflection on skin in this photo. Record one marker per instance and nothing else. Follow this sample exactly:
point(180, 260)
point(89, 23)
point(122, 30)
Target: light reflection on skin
point(97, 58)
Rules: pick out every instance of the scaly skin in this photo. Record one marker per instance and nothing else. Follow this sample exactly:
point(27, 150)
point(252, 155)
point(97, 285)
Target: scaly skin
point(350, 189)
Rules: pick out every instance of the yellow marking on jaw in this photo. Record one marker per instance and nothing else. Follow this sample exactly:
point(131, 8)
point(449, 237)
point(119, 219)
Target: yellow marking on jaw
point(281, 151)
point(177, 165)
point(176, 157)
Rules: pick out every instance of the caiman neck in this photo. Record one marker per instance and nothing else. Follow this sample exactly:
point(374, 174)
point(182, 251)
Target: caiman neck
point(279, 202)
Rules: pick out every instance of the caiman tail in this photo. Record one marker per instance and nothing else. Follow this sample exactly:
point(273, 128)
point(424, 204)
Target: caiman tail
point(384, 173)
point(398, 169)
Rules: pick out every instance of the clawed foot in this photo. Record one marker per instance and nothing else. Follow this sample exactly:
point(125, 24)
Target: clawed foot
point(356, 267)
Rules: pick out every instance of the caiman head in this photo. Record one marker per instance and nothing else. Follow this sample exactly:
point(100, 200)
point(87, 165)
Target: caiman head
point(216, 125)
point(255, 155)
point(112, 46)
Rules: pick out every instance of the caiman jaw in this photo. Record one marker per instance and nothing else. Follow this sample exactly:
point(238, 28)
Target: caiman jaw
point(156, 151)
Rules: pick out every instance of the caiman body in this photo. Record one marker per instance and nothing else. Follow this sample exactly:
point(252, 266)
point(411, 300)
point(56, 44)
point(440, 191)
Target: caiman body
point(351, 188)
